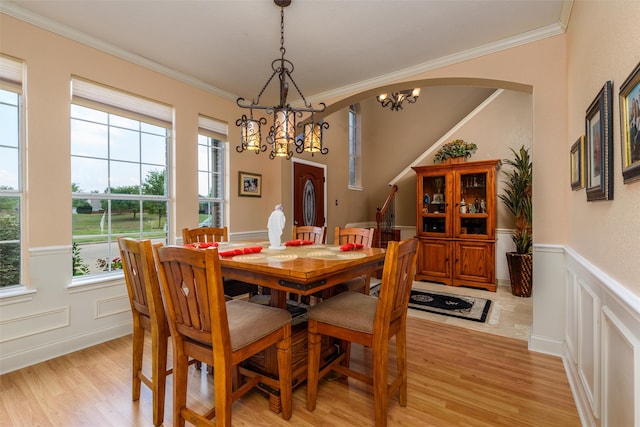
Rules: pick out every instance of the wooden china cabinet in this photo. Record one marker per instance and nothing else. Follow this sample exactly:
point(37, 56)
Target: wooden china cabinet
point(456, 223)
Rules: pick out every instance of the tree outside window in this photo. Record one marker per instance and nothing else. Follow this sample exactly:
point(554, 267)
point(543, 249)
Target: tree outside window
point(10, 188)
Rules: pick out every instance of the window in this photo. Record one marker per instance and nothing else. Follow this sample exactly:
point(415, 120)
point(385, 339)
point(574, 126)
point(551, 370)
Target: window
point(212, 135)
point(119, 166)
point(10, 171)
point(354, 147)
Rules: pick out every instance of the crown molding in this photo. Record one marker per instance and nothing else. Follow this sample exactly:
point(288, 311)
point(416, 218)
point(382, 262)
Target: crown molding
point(565, 13)
point(518, 40)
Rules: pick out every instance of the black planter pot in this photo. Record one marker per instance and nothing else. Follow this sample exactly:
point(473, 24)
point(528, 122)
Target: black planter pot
point(520, 273)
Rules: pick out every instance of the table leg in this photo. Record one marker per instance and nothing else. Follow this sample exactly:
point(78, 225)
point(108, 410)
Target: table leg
point(278, 299)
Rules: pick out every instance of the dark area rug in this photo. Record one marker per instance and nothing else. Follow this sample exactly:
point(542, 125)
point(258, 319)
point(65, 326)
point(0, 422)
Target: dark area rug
point(461, 306)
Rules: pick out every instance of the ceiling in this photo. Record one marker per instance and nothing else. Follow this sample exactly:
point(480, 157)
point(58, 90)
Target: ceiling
point(227, 46)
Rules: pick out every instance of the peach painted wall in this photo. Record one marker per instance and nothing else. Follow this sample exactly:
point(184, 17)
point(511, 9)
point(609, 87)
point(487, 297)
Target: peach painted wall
point(603, 43)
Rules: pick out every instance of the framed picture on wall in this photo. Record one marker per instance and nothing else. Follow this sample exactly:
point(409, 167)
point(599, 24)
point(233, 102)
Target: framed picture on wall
point(249, 184)
point(630, 126)
point(599, 146)
point(577, 164)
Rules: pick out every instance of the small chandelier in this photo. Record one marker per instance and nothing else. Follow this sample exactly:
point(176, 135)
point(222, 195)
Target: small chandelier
point(396, 99)
point(281, 136)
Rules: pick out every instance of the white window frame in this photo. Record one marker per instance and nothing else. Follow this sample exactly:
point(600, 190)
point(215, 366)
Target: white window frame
point(11, 78)
point(355, 148)
point(212, 135)
point(116, 104)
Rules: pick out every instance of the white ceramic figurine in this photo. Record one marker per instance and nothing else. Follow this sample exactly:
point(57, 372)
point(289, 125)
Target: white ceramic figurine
point(276, 225)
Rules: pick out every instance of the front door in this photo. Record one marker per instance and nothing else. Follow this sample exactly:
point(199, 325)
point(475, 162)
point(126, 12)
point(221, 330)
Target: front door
point(308, 194)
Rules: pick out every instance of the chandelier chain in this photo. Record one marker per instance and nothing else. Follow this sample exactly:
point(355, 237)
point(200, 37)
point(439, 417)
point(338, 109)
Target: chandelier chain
point(281, 135)
point(282, 49)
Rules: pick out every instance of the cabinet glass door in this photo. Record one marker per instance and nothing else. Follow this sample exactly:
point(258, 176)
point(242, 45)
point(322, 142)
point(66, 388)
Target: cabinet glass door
point(472, 215)
point(434, 204)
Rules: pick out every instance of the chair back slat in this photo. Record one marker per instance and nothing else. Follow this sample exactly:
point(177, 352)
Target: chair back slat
point(397, 278)
point(363, 236)
point(205, 235)
point(310, 232)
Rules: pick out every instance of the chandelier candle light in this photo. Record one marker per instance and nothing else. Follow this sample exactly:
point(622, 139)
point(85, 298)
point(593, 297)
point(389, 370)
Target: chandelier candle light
point(281, 135)
point(395, 99)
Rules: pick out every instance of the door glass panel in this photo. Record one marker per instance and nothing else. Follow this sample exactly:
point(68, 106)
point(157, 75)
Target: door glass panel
point(433, 199)
point(473, 226)
point(309, 203)
point(434, 205)
point(434, 225)
point(473, 204)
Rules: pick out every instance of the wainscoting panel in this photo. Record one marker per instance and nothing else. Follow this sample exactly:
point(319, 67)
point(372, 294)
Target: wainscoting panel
point(110, 306)
point(33, 324)
point(245, 236)
point(621, 357)
point(588, 344)
point(571, 317)
point(602, 345)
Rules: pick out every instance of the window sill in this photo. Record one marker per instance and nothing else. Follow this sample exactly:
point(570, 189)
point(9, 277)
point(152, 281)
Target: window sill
point(16, 294)
point(92, 282)
point(356, 188)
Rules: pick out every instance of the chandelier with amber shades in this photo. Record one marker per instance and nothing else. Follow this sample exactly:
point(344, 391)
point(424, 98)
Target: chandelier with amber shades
point(282, 133)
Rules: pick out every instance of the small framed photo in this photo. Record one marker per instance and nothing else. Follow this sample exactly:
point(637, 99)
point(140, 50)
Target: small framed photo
point(438, 198)
point(630, 126)
point(599, 146)
point(577, 164)
point(249, 184)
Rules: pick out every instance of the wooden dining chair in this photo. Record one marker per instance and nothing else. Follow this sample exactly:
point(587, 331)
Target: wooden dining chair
point(363, 236)
point(223, 334)
point(233, 288)
point(310, 232)
point(205, 234)
point(369, 321)
point(143, 288)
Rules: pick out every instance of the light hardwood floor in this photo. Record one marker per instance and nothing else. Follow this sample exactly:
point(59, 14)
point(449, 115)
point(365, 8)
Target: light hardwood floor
point(457, 377)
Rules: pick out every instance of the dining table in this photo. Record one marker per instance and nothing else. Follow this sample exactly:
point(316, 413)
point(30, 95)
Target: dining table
point(299, 268)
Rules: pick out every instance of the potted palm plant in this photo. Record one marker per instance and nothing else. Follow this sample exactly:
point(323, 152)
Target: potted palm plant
point(517, 199)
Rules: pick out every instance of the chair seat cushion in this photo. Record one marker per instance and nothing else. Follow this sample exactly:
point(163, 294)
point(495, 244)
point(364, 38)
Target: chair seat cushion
point(348, 310)
point(249, 322)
